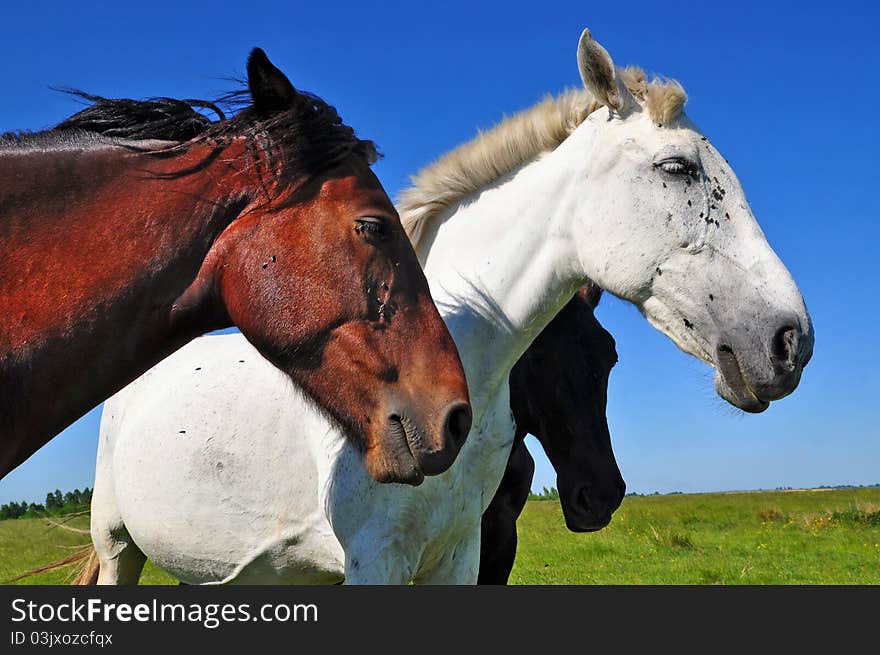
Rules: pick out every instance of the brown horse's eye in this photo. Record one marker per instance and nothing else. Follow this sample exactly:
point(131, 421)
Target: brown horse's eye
point(371, 226)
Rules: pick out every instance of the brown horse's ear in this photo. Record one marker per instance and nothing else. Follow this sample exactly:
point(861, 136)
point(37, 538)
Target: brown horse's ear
point(270, 89)
point(600, 76)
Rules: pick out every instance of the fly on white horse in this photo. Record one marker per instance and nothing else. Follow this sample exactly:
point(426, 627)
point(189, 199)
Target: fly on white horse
point(214, 467)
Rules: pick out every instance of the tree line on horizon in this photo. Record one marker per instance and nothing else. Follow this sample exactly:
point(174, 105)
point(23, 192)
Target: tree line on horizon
point(553, 494)
point(56, 503)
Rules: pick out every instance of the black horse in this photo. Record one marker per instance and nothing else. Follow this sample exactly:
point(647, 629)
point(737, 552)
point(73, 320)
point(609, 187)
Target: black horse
point(558, 393)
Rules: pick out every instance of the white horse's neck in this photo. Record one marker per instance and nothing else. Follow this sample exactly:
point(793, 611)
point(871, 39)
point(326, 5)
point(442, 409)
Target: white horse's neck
point(503, 263)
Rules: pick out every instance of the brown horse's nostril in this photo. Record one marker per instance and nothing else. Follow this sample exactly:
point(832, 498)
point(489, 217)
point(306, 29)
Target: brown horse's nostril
point(457, 424)
point(786, 346)
point(433, 450)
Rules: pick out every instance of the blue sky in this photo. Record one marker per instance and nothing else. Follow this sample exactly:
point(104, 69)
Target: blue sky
point(784, 90)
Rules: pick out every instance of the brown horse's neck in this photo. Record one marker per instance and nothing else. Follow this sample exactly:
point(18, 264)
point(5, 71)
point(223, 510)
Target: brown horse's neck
point(100, 246)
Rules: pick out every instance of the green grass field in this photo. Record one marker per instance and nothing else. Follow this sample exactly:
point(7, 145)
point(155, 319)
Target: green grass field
point(777, 537)
point(787, 537)
point(26, 544)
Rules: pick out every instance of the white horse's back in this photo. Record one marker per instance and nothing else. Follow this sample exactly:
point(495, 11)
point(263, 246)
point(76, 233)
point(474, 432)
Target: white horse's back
point(196, 443)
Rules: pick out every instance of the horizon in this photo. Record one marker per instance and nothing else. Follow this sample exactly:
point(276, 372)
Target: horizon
point(544, 491)
point(805, 160)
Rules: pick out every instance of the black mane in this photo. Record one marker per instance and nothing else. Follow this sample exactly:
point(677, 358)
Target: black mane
point(305, 139)
point(162, 119)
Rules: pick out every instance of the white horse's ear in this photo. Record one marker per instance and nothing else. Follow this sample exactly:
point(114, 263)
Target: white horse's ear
point(600, 76)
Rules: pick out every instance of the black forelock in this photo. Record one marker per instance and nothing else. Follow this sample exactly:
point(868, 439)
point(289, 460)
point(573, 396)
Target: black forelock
point(306, 139)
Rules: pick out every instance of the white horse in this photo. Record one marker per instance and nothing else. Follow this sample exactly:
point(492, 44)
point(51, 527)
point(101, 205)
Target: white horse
point(214, 467)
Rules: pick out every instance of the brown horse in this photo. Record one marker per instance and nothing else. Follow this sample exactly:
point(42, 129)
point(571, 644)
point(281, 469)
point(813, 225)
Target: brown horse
point(558, 392)
point(133, 227)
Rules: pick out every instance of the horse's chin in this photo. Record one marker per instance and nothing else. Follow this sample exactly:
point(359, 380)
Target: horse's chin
point(732, 385)
point(585, 523)
point(394, 462)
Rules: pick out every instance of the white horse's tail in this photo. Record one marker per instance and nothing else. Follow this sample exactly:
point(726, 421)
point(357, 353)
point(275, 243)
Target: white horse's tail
point(88, 572)
point(86, 563)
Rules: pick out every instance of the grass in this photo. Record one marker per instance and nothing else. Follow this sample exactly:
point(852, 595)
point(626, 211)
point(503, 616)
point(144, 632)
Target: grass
point(26, 544)
point(773, 537)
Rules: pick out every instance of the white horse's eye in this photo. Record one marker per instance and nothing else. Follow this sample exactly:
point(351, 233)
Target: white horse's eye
point(677, 166)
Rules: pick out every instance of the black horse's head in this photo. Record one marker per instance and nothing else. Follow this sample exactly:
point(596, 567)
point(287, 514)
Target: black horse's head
point(558, 393)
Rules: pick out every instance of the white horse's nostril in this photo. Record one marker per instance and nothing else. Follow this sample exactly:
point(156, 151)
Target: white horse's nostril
point(785, 347)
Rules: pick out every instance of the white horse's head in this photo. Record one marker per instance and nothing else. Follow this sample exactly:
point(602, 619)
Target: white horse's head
point(672, 232)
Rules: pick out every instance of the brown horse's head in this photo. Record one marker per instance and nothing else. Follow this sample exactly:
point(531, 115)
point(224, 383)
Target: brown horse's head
point(558, 392)
point(319, 275)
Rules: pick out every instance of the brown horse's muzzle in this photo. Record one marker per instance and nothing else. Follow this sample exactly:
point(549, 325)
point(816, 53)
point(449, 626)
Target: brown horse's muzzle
point(413, 448)
point(435, 456)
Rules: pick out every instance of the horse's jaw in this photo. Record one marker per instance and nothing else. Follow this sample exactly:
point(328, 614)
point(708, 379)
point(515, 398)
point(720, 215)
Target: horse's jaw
point(726, 318)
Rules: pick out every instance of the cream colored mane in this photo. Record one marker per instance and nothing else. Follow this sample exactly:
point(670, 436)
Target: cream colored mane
point(515, 141)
